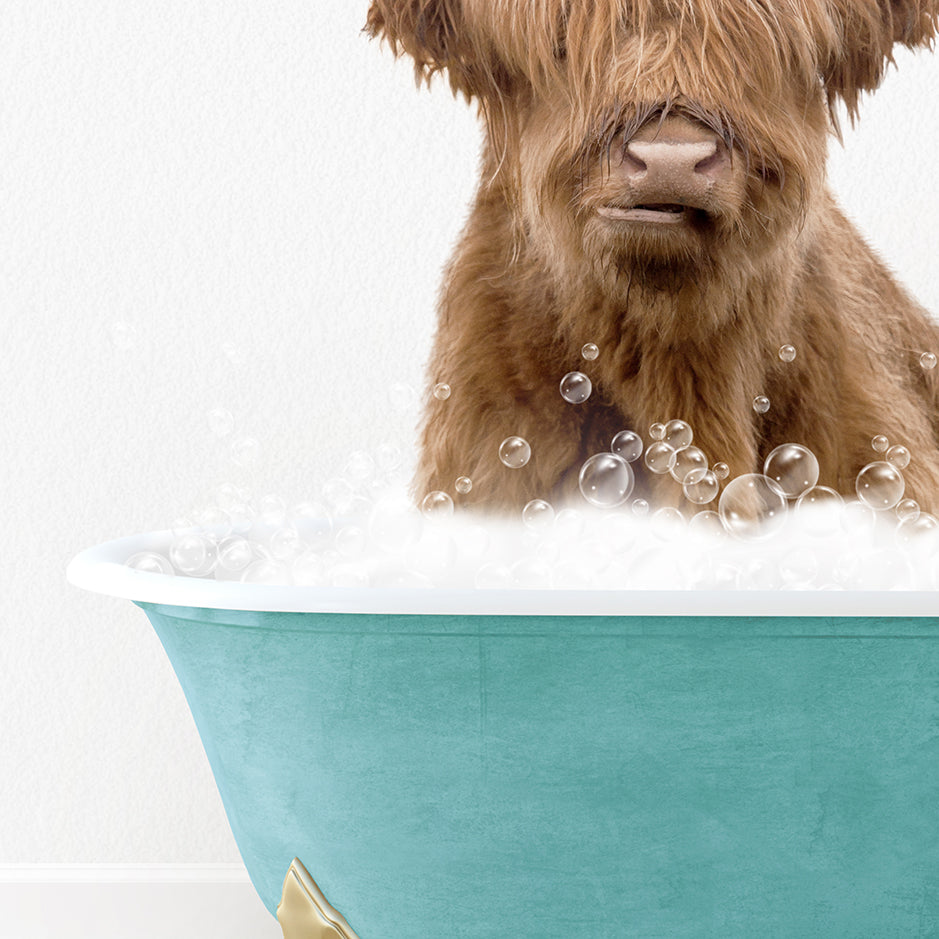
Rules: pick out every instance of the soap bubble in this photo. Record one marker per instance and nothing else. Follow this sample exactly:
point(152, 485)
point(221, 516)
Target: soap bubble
point(538, 515)
point(628, 445)
point(192, 554)
point(898, 456)
point(799, 566)
point(927, 360)
point(388, 457)
point(350, 541)
point(640, 507)
point(761, 404)
point(660, 457)
point(245, 450)
point(493, 576)
point(286, 543)
point(721, 470)
point(395, 524)
point(221, 421)
point(678, 435)
point(787, 353)
point(359, 466)
point(266, 571)
point(339, 494)
point(312, 522)
point(880, 485)
point(793, 468)
point(437, 505)
point(912, 529)
point(308, 570)
point(272, 510)
point(606, 480)
point(234, 553)
point(149, 561)
point(819, 509)
point(463, 485)
point(701, 486)
point(760, 574)
point(858, 518)
point(569, 524)
point(668, 523)
point(402, 397)
point(707, 525)
point(441, 391)
point(530, 574)
point(590, 351)
point(880, 443)
point(752, 507)
point(576, 387)
point(349, 577)
point(687, 460)
point(657, 431)
point(907, 509)
point(514, 452)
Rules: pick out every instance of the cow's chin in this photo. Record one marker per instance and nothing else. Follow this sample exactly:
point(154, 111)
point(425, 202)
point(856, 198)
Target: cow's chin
point(631, 250)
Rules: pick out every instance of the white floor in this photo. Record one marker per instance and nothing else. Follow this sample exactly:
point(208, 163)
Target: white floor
point(92, 902)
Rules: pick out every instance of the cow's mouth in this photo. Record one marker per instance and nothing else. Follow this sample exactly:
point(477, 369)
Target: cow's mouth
point(655, 212)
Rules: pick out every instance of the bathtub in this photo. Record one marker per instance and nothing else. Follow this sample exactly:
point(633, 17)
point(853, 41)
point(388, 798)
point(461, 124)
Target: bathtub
point(545, 764)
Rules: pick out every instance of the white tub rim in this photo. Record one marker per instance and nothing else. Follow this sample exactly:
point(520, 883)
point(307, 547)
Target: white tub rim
point(102, 569)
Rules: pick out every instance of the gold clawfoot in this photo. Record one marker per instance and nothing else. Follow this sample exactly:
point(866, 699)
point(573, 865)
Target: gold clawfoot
point(303, 911)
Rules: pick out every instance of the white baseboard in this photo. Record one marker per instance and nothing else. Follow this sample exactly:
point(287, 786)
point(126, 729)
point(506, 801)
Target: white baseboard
point(124, 901)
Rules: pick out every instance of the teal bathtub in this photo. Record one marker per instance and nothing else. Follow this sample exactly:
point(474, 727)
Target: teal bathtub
point(487, 765)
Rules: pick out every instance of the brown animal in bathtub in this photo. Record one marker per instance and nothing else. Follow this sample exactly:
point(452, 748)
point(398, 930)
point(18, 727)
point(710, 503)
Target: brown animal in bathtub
point(653, 181)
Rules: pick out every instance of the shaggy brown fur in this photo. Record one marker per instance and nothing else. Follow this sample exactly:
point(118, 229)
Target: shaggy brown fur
point(688, 317)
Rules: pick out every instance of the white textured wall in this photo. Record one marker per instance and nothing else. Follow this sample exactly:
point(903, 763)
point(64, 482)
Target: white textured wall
point(206, 174)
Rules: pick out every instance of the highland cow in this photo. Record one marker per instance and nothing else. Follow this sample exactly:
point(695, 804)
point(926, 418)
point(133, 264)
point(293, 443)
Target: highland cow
point(653, 181)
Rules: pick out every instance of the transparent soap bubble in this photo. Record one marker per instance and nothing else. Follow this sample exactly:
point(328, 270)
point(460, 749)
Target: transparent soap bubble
point(628, 445)
point(819, 510)
point(707, 525)
point(569, 524)
point(463, 485)
point(898, 456)
point(880, 485)
point(442, 391)
point(402, 397)
point(687, 460)
point(858, 518)
point(640, 507)
point(193, 554)
point(606, 480)
point(245, 450)
point(308, 570)
point(907, 509)
point(338, 493)
point(272, 510)
point(721, 470)
point(313, 523)
point(678, 435)
point(576, 387)
point(761, 404)
point(266, 571)
point(234, 553)
point(388, 457)
point(701, 486)
point(359, 466)
point(538, 515)
point(590, 351)
point(151, 562)
point(880, 443)
point(752, 507)
point(437, 505)
point(660, 457)
point(657, 431)
point(799, 566)
point(514, 452)
point(793, 468)
point(927, 360)
point(912, 530)
point(351, 541)
point(349, 577)
point(286, 543)
point(395, 524)
point(668, 523)
point(493, 576)
point(787, 353)
point(531, 574)
point(221, 421)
